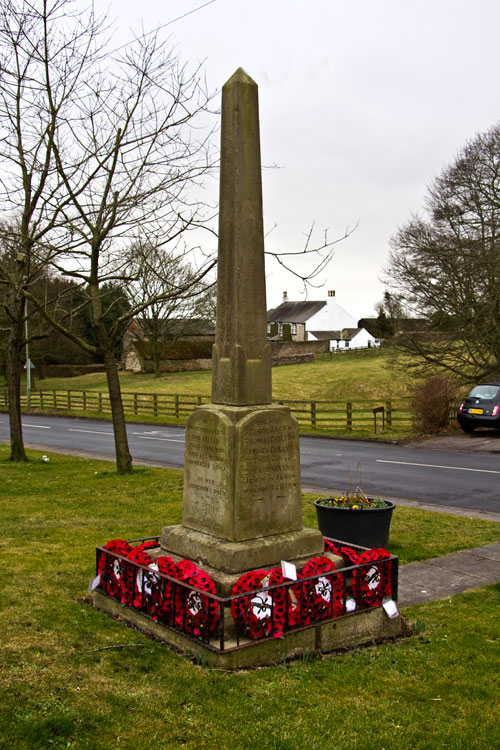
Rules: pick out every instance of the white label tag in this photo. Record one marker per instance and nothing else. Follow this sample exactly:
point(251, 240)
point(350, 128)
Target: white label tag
point(95, 583)
point(391, 608)
point(289, 570)
point(350, 605)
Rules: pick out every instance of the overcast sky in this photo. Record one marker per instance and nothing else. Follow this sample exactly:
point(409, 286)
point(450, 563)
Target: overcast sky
point(362, 103)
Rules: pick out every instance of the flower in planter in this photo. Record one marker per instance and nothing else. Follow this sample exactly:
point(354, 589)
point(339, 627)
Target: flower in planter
point(355, 501)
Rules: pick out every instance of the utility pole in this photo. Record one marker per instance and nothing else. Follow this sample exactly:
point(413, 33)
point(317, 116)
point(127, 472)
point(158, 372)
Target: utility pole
point(28, 363)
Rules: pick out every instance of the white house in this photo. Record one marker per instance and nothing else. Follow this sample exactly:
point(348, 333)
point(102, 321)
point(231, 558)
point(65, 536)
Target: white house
point(316, 321)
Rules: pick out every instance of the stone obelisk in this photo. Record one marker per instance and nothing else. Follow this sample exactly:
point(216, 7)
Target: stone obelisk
point(242, 491)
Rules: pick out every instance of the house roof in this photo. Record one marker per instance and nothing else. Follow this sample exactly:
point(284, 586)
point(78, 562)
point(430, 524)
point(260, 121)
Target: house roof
point(346, 334)
point(400, 324)
point(294, 312)
point(350, 333)
point(326, 335)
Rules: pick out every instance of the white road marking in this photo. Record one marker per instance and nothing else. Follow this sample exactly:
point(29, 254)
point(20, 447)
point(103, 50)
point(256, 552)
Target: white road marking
point(167, 440)
point(437, 466)
point(38, 426)
point(93, 432)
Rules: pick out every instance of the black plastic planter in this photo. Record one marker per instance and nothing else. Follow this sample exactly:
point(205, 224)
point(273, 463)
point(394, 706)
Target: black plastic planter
point(366, 528)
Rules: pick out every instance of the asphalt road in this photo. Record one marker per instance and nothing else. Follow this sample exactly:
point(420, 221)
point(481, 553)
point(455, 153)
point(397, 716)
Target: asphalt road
point(422, 472)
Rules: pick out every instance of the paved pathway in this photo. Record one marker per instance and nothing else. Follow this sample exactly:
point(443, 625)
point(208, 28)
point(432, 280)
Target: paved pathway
point(442, 577)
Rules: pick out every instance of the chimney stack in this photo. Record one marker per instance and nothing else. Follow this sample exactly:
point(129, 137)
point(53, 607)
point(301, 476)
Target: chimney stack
point(331, 293)
point(285, 297)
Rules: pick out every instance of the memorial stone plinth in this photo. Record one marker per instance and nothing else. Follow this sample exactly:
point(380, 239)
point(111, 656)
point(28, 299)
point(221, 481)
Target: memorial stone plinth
point(242, 506)
point(251, 456)
point(242, 491)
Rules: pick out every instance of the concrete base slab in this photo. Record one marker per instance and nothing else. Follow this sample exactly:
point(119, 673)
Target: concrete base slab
point(443, 577)
point(414, 593)
point(486, 569)
point(358, 629)
point(488, 551)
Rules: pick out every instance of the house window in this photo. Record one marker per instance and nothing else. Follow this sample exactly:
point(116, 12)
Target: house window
point(280, 329)
point(269, 327)
point(294, 329)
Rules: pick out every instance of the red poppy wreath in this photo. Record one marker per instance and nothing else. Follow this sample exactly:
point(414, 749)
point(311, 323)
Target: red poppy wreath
point(263, 611)
point(323, 596)
point(138, 582)
point(193, 612)
point(371, 584)
point(162, 593)
point(110, 568)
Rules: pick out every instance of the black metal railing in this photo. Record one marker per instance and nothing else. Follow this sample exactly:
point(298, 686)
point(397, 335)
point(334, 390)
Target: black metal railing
point(223, 624)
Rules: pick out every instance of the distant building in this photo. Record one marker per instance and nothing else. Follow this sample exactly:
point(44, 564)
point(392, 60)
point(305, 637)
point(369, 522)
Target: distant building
point(176, 337)
point(318, 320)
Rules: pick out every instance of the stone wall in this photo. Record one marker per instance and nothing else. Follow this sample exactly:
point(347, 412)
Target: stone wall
point(282, 352)
point(296, 359)
point(180, 365)
point(66, 371)
point(281, 349)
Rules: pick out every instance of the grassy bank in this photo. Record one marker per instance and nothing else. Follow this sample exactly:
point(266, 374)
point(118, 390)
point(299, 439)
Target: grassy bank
point(71, 677)
point(341, 378)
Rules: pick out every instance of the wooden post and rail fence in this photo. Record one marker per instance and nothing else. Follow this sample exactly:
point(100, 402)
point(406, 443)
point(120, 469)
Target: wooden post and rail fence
point(372, 415)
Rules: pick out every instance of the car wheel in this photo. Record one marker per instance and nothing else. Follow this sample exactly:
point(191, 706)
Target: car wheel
point(468, 429)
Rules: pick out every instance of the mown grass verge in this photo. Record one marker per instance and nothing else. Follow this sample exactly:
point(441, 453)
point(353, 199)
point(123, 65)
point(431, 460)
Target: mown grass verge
point(71, 677)
point(341, 379)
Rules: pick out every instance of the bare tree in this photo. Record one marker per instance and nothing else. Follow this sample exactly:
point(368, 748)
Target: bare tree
point(174, 300)
point(446, 267)
point(309, 262)
point(112, 144)
point(99, 149)
point(31, 42)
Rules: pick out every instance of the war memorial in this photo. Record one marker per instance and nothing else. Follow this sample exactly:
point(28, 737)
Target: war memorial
point(240, 582)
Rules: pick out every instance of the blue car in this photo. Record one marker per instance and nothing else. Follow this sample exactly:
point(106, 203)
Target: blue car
point(481, 408)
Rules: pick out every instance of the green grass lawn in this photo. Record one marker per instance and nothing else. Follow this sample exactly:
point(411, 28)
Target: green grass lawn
point(342, 378)
point(71, 677)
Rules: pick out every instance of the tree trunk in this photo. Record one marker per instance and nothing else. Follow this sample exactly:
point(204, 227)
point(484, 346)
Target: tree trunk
point(123, 457)
point(156, 362)
point(13, 378)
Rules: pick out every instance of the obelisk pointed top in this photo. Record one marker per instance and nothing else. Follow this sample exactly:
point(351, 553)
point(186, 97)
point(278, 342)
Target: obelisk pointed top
point(241, 355)
point(240, 76)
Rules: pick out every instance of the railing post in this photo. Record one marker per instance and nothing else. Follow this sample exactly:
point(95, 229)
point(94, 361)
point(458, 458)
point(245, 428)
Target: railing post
point(41, 399)
point(135, 403)
point(69, 399)
point(349, 416)
point(198, 400)
point(176, 402)
point(84, 399)
point(155, 404)
point(313, 415)
point(388, 414)
point(99, 402)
